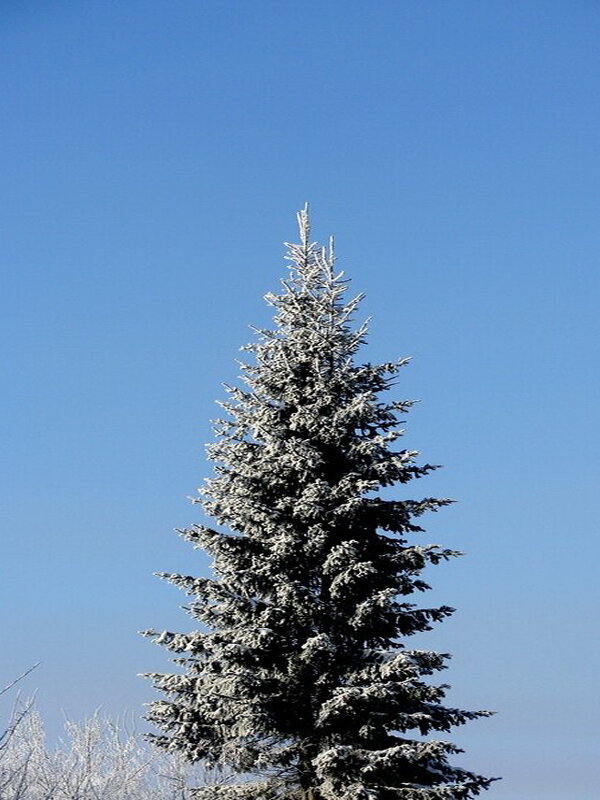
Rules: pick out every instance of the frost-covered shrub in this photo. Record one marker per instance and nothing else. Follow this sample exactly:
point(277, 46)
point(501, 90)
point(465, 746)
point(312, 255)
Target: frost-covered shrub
point(97, 759)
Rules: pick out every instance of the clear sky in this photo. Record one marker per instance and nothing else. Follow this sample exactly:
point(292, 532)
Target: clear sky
point(153, 156)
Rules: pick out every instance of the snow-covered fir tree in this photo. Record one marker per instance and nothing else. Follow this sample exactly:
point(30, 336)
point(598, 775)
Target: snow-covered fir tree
point(299, 675)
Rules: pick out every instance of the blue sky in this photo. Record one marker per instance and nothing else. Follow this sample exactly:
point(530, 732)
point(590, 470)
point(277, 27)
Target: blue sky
point(153, 156)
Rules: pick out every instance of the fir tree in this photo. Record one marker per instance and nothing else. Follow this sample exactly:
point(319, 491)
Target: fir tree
point(300, 675)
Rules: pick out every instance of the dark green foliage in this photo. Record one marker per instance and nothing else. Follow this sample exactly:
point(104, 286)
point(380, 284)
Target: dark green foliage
point(300, 672)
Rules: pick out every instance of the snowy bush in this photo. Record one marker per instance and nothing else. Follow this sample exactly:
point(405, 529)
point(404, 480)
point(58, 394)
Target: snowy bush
point(97, 759)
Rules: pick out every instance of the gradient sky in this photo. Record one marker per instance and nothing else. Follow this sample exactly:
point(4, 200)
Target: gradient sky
point(153, 156)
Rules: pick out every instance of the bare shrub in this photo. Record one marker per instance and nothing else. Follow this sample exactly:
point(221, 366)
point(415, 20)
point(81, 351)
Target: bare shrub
point(98, 759)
